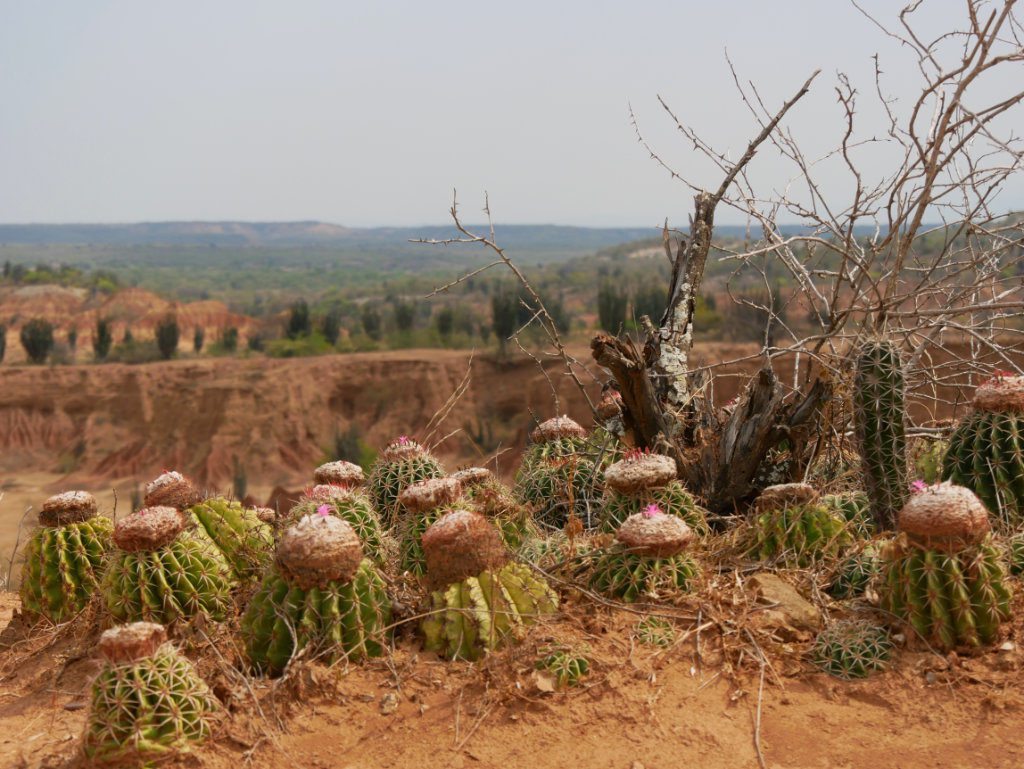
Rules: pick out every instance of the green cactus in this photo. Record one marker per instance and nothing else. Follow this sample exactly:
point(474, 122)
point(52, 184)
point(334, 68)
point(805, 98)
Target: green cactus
point(244, 539)
point(880, 421)
point(485, 612)
point(64, 561)
point(791, 525)
point(628, 577)
point(560, 474)
point(568, 666)
point(162, 572)
point(986, 451)
point(401, 464)
point(852, 649)
point(855, 573)
point(855, 508)
point(321, 596)
point(672, 498)
point(354, 507)
point(1015, 553)
point(557, 553)
point(945, 576)
point(926, 459)
point(420, 505)
point(148, 703)
point(655, 631)
point(495, 500)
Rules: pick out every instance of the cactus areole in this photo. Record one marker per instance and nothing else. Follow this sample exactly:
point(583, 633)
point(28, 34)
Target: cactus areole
point(461, 544)
point(68, 507)
point(132, 642)
point(317, 550)
point(171, 489)
point(944, 517)
point(340, 473)
point(148, 529)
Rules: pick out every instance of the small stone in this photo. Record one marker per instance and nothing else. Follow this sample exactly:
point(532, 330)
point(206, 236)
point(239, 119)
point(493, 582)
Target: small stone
point(791, 609)
point(389, 704)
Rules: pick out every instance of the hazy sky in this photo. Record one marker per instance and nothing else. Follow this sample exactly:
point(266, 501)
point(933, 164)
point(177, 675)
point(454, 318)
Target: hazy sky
point(371, 113)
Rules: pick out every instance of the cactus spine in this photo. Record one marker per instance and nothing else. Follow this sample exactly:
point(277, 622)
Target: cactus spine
point(640, 480)
point(986, 451)
point(855, 573)
point(64, 559)
point(880, 422)
point(851, 649)
point(321, 595)
point(162, 572)
point(401, 464)
point(243, 538)
point(944, 575)
point(791, 525)
point(148, 702)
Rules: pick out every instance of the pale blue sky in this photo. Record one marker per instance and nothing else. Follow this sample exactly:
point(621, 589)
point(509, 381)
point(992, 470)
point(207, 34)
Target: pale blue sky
point(371, 113)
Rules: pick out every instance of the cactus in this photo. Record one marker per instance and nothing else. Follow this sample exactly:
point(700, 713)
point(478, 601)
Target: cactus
point(944, 575)
point(642, 479)
point(64, 559)
point(655, 631)
point(401, 464)
point(852, 649)
point(855, 573)
point(986, 451)
point(926, 458)
point(147, 703)
point(559, 475)
point(355, 508)
point(855, 509)
point(171, 489)
point(557, 553)
point(1015, 553)
point(244, 539)
point(567, 666)
point(163, 572)
point(340, 473)
point(880, 422)
point(648, 560)
point(791, 525)
point(479, 600)
point(322, 595)
point(495, 500)
point(420, 505)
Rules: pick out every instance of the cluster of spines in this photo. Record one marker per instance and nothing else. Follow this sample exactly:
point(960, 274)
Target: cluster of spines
point(855, 508)
point(798, 534)
point(851, 649)
point(568, 666)
point(673, 498)
point(855, 572)
point(655, 631)
point(880, 422)
point(629, 577)
point(244, 539)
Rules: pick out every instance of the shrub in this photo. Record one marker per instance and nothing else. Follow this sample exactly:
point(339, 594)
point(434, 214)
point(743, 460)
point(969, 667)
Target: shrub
point(37, 339)
point(197, 340)
point(3, 340)
point(229, 339)
point(299, 322)
point(167, 334)
point(331, 326)
point(611, 307)
point(102, 339)
point(371, 322)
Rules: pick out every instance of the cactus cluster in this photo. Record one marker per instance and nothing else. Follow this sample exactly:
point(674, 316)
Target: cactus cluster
point(559, 475)
point(855, 572)
point(171, 489)
point(852, 649)
point(353, 506)
point(401, 464)
point(648, 560)
point(642, 479)
point(163, 572)
point(64, 559)
point(493, 499)
point(480, 601)
point(655, 631)
point(420, 505)
point(567, 666)
point(148, 702)
point(240, 534)
point(855, 509)
point(322, 596)
point(791, 525)
point(944, 575)
point(986, 451)
point(880, 421)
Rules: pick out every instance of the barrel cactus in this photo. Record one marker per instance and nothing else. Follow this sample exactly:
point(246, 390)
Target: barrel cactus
point(244, 539)
point(792, 526)
point(1015, 553)
point(148, 703)
point(880, 420)
point(642, 479)
point(353, 506)
point(566, 665)
point(925, 456)
point(852, 649)
point(855, 572)
point(321, 595)
point(986, 451)
point(401, 464)
point(944, 575)
point(855, 508)
point(648, 560)
point(171, 489)
point(559, 475)
point(493, 499)
point(419, 506)
point(164, 572)
point(64, 559)
point(480, 600)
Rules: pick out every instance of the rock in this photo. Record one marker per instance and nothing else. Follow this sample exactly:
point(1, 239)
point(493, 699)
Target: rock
point(389, 704)
point(790, 609)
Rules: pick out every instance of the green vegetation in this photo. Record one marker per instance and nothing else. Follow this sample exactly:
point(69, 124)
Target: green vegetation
point(37, 339)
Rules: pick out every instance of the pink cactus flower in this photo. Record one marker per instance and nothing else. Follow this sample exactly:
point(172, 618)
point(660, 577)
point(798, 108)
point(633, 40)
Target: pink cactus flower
point(652, 511)
point(324, 510)
point(918, 486)
point(403, 440)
